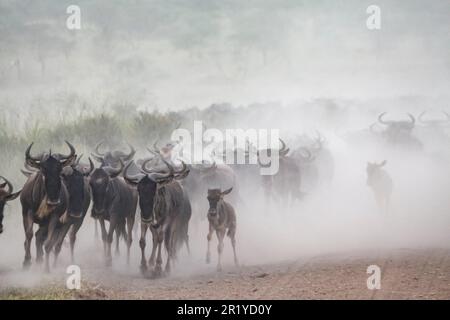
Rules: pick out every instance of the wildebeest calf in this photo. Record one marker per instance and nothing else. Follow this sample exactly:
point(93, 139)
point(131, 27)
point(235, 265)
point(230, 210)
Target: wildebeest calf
point(381, 184)
point(221, 217)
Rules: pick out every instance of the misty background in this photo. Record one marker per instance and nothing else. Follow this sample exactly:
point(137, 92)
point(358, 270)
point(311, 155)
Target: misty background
point(136, 69)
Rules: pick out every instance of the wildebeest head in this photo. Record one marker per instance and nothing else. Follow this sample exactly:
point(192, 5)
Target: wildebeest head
point(435, 122)
point(214, 196)
point(99, 181)
point(112, 158)
point(264, 156)
point(395, 126)
point(149, 183)
point(6, 194)
point(51, 166)
point(74, 179)
point(372, 170)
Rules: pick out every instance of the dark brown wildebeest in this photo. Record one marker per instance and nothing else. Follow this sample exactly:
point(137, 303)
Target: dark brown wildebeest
point(44, 200)
point(112, 159)
point(222, 218)
point(75, 178)
point(381, 184)
point(113, 201)
point(165, 209)
point(6, 194)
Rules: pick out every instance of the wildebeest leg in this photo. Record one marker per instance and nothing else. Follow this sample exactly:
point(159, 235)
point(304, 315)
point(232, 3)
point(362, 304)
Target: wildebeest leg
point(109, 240)
point(104, 234)
point(232, 235)
point(73, 237)
point(96, 228)
point(186, 241)
point(117, 252)
point(49, 241)
point(142, 243)
point(208, 237)
point(151, 261)
point(130, 224)
point(220, 235)
point(28, 228)
point(59, 241)
point(40, 235)
point(160, 238)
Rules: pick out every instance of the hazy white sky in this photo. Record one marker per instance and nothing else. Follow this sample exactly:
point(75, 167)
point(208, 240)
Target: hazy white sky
point(176, 54)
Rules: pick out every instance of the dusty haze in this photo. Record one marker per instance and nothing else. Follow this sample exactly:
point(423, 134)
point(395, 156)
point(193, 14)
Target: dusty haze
point(136, 69)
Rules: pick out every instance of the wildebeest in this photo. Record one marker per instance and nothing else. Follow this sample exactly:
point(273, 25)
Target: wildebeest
point(112, 158)
point(284, 185)
point(113, 201)
point(381, 184)
point(222, 219)
point(44, 200)
point(399, 132)
point(75, 178)
point(6, 194)
point(165, 209)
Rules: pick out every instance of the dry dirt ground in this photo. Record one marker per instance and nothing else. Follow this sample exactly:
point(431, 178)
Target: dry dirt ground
point(406, 274)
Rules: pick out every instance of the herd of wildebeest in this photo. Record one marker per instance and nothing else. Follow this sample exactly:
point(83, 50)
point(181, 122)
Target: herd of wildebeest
point(60, 189)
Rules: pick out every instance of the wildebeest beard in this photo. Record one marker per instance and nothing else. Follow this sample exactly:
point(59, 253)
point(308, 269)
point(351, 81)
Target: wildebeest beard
point(147, 188)
point(99, 184)
point(51, 170)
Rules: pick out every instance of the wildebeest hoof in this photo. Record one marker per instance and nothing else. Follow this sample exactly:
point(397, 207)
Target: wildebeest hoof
point(26, 264)
point(143, 268)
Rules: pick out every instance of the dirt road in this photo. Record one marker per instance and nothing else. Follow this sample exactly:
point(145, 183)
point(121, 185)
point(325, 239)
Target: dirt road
point(405, 274)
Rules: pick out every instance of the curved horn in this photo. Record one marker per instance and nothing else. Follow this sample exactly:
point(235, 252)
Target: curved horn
point(283, 151)
point(114, 172)
point(77, 162)
point(132, 179)
point(31, 161)
point(66, 160)
point(420, 118)
point(91, 168)
point(413, 120)
point(130, 155)
point(380, 119)
point(100, 154)
point(8, 184)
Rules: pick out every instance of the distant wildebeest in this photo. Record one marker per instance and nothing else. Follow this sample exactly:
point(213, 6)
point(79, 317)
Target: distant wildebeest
point(75, 178)
point(44, 200)
point(6, 194)
point(398, 132)
point(284, 185)
point(222, 219)
point(112, 158)
point(381, 184)
point(113, 201)
point(165, 209)
point(316, 161)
